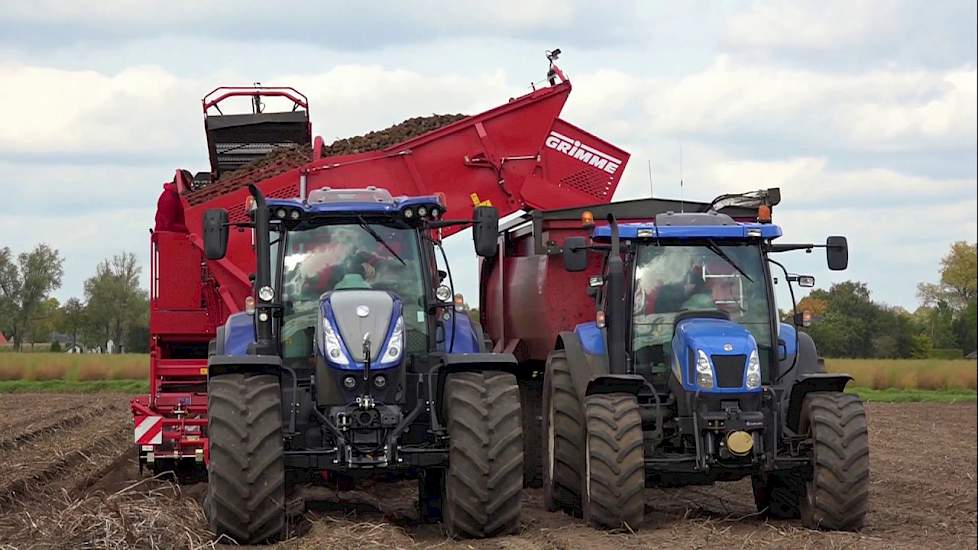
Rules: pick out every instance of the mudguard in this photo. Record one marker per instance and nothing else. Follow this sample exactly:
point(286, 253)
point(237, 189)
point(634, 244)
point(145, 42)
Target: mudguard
point(584, 367)
point(461, 336)
point(615, 383)
point(238, 333)
point(468, 362)
point(808, 383)
point(250, 364)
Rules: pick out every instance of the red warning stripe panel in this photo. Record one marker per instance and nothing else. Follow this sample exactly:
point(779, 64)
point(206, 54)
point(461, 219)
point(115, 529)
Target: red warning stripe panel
point(149, 430)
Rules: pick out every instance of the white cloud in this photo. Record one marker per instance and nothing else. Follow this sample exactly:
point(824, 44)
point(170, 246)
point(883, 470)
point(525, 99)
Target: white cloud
point(877, 111)
point(812, 182)
point(826, 25)
point(137, 110)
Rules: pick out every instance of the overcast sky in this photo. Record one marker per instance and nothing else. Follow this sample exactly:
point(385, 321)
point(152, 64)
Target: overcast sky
point(862, 112)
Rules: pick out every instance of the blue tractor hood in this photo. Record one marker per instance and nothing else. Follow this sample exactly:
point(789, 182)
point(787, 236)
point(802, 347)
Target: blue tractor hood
point(348, 318)
point(727, 345)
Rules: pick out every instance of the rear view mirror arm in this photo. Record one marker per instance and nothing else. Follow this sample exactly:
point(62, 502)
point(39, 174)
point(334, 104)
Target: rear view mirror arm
point(789, 247)
point(446, 223)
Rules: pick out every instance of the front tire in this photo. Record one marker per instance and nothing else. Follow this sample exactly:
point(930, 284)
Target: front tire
point(563, 438)
point(838, 494)
point(246, 488)
point(484, 481)
point(615, 462)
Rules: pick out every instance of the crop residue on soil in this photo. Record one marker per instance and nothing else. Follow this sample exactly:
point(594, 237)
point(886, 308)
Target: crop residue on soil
point(68, 479)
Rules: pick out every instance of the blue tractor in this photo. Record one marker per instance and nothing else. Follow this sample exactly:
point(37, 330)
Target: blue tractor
point(687, 375)
point(352, 360)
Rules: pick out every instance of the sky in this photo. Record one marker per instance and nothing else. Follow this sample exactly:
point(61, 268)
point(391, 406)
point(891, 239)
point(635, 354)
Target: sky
point(862, 112)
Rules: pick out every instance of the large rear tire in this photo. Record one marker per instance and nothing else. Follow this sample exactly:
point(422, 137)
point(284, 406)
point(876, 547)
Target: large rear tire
point(246, 488)
point(484, 481)
point(530, 398)
point(563, 438)
point(614, 477)
point(837, 496)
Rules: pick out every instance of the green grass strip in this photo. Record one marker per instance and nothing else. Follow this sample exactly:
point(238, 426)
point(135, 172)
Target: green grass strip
point(70, 386)
point(893, 395)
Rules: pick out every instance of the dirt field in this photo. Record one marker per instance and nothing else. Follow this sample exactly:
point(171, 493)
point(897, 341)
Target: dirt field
point(68, 480)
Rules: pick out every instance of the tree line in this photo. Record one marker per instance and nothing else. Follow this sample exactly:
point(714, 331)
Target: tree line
point(114, 307)
point(846, 322)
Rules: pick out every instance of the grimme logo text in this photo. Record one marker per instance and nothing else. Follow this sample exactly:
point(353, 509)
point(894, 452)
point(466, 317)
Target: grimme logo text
point(583, 153)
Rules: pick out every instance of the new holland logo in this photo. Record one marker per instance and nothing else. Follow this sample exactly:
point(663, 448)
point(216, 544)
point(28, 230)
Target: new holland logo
point(587, 155)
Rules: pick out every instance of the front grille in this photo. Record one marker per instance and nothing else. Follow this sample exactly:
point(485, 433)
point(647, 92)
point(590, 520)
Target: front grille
point(729, 370)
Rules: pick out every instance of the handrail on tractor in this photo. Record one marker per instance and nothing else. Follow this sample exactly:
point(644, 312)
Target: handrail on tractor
point(298, 98)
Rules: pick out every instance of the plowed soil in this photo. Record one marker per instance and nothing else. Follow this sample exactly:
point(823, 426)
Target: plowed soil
point(68, 479)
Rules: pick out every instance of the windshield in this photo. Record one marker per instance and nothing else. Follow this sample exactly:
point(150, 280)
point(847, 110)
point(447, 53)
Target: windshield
point(349, 256)
point(674, 278)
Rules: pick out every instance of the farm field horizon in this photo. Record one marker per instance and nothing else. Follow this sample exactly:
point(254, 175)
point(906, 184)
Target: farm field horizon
point(892, 380)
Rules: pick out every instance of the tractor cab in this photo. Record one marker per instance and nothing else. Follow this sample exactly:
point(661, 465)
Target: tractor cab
point(700, 282)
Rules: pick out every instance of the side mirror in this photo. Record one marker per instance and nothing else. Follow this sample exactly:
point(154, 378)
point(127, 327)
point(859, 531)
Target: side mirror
point(806, 281)
point(485, 230)
point(803, 319)
point(575, 254)
point(215, 233)
point(837, 253)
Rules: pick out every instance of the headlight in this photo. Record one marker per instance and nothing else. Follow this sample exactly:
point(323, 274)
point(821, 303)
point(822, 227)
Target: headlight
point(704, 370)
point(349, 382)
point(443, 293)
point(753, 371)
point(334, 350)
point(266, 293)
point(294, 214)
point(280, 213)
point(408, 213)
point(395, 347)
point(422, 211)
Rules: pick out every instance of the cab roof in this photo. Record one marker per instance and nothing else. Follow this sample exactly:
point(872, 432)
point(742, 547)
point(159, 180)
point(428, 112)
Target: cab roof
point(352, 201)
point(695, 225)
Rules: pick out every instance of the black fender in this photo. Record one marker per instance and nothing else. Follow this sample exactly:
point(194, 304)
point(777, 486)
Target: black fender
point(615, 383)
point(469, 362)
point(244, 364)
point(808, 361)
point(808, 383)
point(591, 374)
point(581, 370)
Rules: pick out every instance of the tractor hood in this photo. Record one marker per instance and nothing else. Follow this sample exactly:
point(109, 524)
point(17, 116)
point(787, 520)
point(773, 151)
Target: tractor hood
point(356, 323)
point(723, 345)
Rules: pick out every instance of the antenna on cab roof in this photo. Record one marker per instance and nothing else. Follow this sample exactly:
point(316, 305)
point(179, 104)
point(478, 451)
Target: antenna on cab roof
point(651, 193)
point(682, 195)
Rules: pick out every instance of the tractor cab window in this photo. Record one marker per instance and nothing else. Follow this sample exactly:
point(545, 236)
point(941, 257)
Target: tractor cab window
point(670, 279)
point(349, 256)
